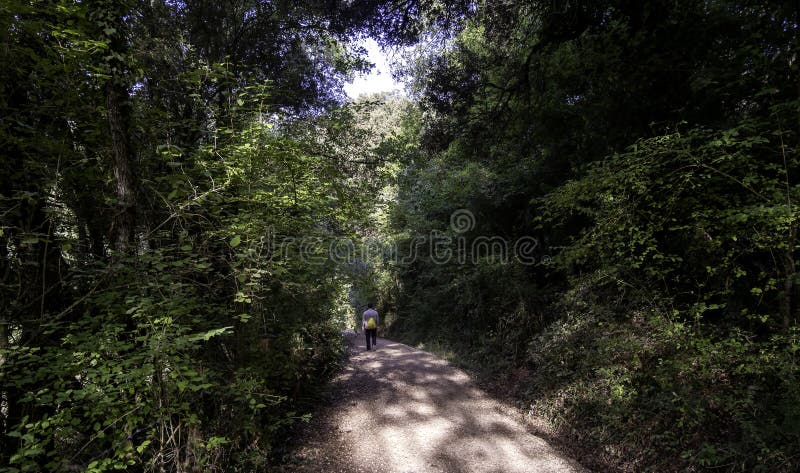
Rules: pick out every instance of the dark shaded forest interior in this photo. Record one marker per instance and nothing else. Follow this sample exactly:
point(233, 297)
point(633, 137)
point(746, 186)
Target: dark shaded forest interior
point(593, 206)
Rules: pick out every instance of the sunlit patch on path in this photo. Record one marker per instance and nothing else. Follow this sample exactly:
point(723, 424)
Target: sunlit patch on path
point(405, 411)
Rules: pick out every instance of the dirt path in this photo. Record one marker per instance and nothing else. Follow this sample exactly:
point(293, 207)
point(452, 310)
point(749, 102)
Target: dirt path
point(403, 410)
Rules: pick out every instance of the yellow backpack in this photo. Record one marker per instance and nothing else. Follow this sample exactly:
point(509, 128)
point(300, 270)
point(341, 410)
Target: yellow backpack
point(371, 323)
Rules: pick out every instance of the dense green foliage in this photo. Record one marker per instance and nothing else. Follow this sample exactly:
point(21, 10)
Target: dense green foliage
point(157, 159)
point(650, 148)
point(177, 180)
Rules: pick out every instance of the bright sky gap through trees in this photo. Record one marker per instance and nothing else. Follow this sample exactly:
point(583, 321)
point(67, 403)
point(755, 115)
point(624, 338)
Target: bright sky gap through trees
point(379, 78)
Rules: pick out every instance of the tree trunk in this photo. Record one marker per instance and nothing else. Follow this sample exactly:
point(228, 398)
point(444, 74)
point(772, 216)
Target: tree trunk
point(786, 302)
point(125, 215)
point(790, 271)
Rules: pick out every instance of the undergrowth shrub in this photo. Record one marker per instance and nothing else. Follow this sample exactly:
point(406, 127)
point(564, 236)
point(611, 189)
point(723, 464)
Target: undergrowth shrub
point(648, 391)
point(145, 376)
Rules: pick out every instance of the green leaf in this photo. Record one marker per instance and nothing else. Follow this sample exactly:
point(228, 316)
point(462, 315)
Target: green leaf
point(216, 442)
point(235, 241)
point(211, 333)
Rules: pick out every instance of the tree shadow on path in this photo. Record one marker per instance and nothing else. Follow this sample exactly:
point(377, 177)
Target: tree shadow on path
point(409, 411)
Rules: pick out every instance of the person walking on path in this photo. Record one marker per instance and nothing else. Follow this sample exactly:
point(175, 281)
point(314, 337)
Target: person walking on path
point(369, 322)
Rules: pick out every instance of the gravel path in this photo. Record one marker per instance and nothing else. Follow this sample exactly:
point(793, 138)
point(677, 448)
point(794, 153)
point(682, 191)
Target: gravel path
point(402, 410)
